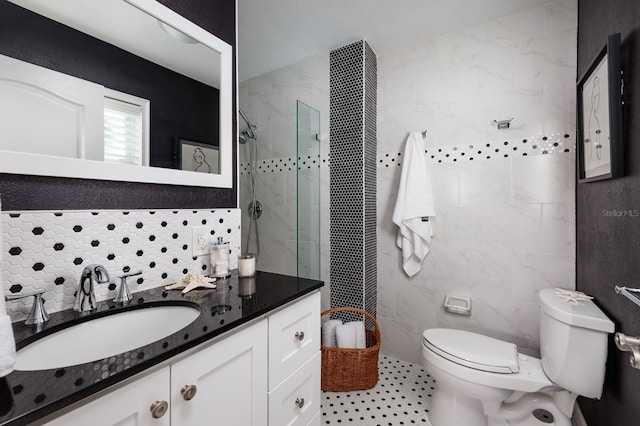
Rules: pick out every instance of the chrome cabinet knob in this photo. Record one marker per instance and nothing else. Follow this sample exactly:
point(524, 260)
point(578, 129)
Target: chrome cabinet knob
point(188, 392)
point(299, 335)
point(159, 409)
point(300, 402)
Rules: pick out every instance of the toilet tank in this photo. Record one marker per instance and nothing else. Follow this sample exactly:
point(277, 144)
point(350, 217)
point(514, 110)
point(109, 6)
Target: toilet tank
point(573, 343)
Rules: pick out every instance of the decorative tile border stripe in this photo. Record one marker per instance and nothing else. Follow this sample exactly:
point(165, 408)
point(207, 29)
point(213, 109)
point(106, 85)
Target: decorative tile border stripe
point(554, 143)
point(286, 164)
point(535, 145)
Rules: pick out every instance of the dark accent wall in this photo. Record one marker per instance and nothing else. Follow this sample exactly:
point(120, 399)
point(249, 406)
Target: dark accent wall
point(20, 192)
point(607, 222)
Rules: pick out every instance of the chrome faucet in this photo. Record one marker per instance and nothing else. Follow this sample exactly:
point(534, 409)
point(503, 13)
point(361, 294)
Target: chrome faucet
point(85, 297)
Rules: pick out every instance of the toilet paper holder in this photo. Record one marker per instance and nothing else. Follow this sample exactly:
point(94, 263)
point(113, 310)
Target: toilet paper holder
point(629, 344)
point(457, 305)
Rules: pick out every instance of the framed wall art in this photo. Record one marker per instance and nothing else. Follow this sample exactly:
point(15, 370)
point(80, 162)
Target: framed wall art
point(197, 156)
point(599, 104)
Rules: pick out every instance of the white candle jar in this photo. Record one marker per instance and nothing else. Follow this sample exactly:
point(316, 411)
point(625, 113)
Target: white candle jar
point(246, 265)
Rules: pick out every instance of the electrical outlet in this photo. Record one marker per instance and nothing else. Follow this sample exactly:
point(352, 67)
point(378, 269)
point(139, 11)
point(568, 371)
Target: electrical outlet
point(200, 243)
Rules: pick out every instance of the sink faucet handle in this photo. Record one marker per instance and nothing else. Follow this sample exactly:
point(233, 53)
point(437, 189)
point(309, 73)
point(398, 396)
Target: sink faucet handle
point(10, 297)
point(38, 314)
point(131, 274)
point(124, 295)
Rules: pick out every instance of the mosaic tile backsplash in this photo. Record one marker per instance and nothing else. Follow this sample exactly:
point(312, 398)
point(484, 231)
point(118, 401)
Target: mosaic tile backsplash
point(48, 250)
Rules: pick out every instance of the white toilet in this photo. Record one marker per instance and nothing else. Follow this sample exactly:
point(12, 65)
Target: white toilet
point(481, 381)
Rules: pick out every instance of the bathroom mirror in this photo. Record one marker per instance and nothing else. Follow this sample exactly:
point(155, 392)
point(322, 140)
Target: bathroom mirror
point(84, 72)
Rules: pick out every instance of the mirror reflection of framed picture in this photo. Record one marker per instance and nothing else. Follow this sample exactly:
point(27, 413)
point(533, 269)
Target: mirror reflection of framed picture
point(197, 156)
point(600, 132)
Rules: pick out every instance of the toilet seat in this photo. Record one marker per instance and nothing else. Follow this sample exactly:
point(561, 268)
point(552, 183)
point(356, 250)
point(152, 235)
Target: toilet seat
point(529, 378)
point(473, 350)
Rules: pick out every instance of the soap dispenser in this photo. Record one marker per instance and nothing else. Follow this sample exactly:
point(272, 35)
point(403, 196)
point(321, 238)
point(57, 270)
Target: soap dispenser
point(220, 258)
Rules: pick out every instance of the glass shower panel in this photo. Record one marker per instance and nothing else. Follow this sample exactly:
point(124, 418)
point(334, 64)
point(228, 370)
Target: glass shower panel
point(308, 191)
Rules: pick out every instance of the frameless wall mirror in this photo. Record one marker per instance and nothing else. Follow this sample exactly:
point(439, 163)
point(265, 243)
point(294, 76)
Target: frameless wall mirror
point(122, 90)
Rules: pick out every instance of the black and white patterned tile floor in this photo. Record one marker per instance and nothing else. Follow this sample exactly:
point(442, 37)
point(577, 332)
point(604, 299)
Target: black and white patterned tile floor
point(401, 397)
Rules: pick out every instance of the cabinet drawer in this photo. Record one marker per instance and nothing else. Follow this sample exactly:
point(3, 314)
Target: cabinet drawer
point(296, 401)
point(294, 337)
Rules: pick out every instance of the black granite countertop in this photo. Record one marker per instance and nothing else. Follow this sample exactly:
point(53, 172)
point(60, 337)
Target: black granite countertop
point(26, 396)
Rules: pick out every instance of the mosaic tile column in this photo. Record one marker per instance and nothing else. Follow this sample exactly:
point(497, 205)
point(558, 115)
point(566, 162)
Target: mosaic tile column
point(352, 122)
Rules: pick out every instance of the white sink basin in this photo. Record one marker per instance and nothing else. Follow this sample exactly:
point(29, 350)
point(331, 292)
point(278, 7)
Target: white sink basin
point(104, 337)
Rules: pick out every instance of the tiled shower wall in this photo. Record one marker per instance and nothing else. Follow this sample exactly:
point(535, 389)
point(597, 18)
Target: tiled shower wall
point(48, 250)
point(270, 102)
point(504, 225)
point(504, 199)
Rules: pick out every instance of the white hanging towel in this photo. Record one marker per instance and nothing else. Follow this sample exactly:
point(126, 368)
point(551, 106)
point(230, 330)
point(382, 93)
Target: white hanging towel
point(7, 343)
point(414, 208)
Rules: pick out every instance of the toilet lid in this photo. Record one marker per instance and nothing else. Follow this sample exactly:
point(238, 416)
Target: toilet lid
point(473, 350)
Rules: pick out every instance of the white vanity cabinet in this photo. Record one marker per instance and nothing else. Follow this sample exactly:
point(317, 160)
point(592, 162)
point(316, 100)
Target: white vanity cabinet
point(296, 401)
point(129, 405)
point(224, 384)
point(294, 364)
point(265, 374)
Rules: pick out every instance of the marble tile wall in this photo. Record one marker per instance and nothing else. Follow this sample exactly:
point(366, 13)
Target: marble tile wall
point(505, 221)
point(270, 102)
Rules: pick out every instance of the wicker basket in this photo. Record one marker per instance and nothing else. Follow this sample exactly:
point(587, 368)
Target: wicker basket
point(351, 369)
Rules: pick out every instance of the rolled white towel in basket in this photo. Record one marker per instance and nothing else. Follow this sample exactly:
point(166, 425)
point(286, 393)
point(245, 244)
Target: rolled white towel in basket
point(329, 332)
point(361, 336)
point(346, 336)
